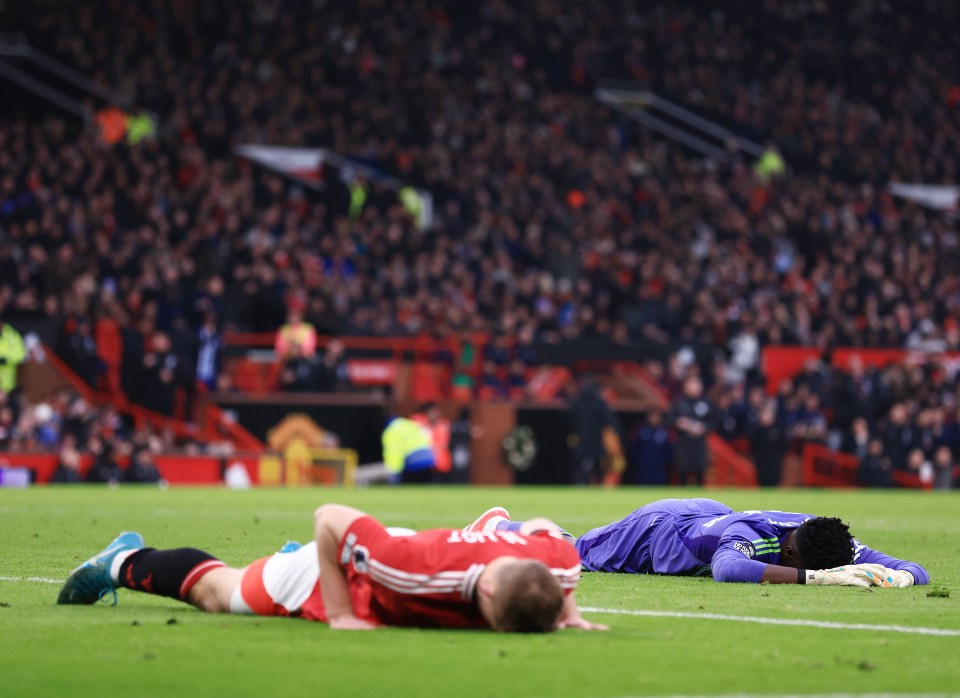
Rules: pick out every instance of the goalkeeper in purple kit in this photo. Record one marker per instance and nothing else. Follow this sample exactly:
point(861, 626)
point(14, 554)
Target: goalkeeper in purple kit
point(698, 537)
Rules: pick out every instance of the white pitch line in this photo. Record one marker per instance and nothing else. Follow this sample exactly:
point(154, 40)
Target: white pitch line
point(810, 695)
point(779, 621)
point(38, 580)
point(941, 632)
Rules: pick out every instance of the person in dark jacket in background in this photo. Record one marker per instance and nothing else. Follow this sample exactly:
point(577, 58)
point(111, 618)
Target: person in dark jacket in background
point(857, 441)
point(942, 469)
point(462, 433)
point(131, 365)
point(649, 452)
point(768, 445)
point(694, 418)
point(875, 468)
point(142, 468)
point(297, 375)
point(587, 416)
point(331, 371)
point(900, 437)
point(68, 465)
point(80, 353)
point(161, 367)
point(104, 468)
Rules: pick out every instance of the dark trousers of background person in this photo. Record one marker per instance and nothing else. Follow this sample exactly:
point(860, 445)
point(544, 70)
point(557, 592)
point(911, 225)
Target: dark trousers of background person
point(769, 469)
point(585, 468)
point(65, 475)
point(649, 452)
point(768, 448)
point(874, 471)
point(690, 459)
point(459, 476)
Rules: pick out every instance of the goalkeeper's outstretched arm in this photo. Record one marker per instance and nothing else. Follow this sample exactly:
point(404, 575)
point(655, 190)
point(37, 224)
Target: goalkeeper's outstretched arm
point(732, 566)
point(863, 554)
point(868, 568)
point(730, 569)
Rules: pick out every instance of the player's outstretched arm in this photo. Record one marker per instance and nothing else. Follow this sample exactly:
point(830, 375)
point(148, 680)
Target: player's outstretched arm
point(540, 524)
point(903, 573)
point(731, 564)
point(331, 522)
point(778, 574)
point(570, 616)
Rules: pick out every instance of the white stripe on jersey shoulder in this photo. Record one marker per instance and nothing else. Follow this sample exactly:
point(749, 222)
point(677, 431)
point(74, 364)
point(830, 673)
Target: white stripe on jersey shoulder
point(399, 581)
point(453, 575)
point(404, 577)
point(568, 578)
point(384, 578)
point(469, 586)
point(567, 571)
point(418, 588)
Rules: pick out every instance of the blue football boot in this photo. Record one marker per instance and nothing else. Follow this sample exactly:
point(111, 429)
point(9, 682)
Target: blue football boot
point(291, 546)
point(91, 581)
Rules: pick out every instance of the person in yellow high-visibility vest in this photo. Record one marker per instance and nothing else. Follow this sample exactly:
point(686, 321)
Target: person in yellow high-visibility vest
point(140, 127)
point(408, 451)
point(358, 198)
point(12, 354)
point(771, 164)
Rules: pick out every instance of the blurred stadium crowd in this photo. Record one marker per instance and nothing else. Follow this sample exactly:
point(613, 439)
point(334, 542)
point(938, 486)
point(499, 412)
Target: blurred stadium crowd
point(555, 218)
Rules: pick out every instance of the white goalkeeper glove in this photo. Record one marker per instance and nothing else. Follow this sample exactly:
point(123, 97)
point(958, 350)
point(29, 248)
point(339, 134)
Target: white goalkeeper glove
point(880, 576)
point(848, 576)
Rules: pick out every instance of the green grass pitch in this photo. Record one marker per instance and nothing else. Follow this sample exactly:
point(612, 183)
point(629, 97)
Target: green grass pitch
point(149, 646)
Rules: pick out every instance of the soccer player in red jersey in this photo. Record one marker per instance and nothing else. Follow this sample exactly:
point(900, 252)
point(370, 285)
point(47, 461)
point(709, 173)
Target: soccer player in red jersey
point(510, 581)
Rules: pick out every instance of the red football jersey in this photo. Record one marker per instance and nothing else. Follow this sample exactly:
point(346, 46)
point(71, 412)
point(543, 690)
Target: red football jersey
point(429, 579)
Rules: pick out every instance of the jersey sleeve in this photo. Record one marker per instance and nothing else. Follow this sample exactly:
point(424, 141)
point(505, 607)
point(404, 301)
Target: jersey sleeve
point(366, 532)
point(741, 554)
point(863, 555)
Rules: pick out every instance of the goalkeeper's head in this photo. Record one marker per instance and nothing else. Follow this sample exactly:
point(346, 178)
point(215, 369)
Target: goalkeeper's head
point(818, 544)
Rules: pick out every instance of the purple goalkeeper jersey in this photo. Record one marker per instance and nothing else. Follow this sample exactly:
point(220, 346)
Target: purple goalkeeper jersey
point(702, 536)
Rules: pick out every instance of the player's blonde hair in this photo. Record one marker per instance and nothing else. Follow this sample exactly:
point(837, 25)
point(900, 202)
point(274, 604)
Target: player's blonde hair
point(528, 598)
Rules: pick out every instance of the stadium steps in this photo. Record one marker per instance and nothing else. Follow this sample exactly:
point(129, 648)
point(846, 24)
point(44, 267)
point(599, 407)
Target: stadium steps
point(43, 76)
point(692, 131)
point(42, 378)
point(727, 467)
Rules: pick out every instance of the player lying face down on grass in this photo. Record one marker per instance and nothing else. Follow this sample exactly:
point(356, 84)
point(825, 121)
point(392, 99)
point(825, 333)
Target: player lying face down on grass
point(702, 536)
point(356, 575)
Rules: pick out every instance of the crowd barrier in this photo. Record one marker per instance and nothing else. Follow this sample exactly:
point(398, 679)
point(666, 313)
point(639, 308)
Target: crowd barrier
point(175, 469)
point(823, 467)
point(319, 466)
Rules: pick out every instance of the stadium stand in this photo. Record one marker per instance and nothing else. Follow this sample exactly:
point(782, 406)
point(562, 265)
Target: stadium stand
point(558, 223)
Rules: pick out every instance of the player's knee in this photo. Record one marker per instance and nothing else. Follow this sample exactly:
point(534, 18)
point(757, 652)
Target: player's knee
point(207, 600)
point(212, 593)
